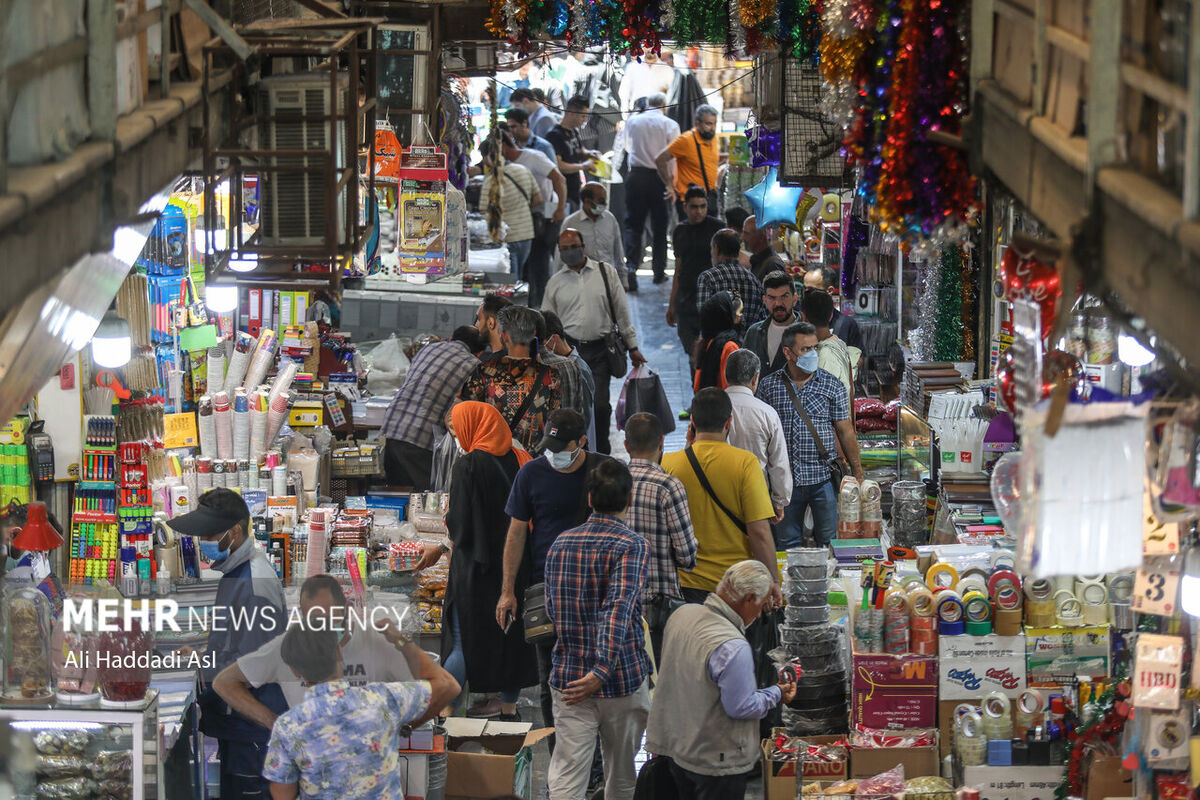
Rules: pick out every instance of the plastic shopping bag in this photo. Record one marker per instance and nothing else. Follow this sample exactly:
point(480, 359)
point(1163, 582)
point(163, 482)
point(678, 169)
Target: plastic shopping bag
point(643, 392)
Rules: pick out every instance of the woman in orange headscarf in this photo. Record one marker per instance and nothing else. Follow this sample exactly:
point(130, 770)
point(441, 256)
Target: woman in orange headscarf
point(477, 652)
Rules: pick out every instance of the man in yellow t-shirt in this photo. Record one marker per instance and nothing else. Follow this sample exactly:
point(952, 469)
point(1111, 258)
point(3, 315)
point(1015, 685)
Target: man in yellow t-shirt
point(737, 480)
point(697, 155)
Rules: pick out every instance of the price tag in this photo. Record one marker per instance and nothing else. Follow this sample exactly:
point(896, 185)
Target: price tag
point(179, 430)
point(1157, 587)
point(1158, 539)
point(1156, 674)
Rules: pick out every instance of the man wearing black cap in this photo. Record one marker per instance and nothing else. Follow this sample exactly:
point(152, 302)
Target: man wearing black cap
point(551, 491)
point(249, 611)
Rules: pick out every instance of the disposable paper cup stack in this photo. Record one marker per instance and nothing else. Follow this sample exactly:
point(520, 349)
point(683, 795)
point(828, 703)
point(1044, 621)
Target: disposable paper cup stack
point(204, 478)
point(261, 360)
point(223, 417)
point(318, 533)
point(258, 424)
point(216, 368)
point(275, 416)
point(283, 381)
point(241, 425)
point(208, 427)
point(240, 362)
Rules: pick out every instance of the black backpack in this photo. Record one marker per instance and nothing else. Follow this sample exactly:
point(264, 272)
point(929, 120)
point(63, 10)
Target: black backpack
point(655, 781)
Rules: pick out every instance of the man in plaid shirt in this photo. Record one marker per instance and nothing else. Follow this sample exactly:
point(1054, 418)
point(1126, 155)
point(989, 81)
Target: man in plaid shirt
point(826, 402)
point(728, 275)
point(659, 511)
point(594, 579)
point(413, 421)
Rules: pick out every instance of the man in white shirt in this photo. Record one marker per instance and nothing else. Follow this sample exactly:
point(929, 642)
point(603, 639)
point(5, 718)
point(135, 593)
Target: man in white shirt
point(764, 336)
point(647, 135)
point(599, 227)
point(553, 188)
point(756, 427)
point(368, 656)
point(642, 78)
point(587, 297)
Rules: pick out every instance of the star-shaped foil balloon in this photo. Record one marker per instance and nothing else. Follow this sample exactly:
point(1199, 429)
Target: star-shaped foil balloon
point(774, 204)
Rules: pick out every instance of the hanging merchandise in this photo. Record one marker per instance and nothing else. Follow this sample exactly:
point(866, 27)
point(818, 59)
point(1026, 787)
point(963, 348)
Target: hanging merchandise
point(421, 218)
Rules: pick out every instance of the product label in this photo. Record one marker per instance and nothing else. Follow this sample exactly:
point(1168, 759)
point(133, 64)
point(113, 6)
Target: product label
point(1157, 587)
point(1157, 671)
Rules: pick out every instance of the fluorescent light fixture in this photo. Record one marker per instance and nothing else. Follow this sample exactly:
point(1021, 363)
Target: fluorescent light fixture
point(1131, 351)
point(220, 239)
point(221, 299)
point(248, 264)
point(111, 346)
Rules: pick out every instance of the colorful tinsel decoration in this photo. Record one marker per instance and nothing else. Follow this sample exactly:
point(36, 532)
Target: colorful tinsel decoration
point(800, 28)
point(1107, 727)
point(948, 327)
point(701, 21)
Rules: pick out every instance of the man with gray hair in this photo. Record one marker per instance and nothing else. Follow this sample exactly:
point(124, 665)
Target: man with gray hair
point(524, 389)
point(646, 136)
point(756, 427)
point(706, 706)
point(697, 159)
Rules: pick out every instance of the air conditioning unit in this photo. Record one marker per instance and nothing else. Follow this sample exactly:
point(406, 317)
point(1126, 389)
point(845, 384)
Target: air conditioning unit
point(294, 203)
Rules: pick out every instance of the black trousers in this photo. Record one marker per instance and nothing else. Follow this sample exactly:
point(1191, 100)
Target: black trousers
point(688, 328)
point(692, 786)
point(644, 197)
point(596, 357)
point(241, 770)
point(408, 465)
point(537, 267)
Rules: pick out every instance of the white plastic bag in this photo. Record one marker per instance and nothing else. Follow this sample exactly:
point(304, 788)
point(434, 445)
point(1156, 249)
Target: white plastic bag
point(386, 367)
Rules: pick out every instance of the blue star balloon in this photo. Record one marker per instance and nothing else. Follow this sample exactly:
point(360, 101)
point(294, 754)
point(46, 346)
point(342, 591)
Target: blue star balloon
point(774, 204)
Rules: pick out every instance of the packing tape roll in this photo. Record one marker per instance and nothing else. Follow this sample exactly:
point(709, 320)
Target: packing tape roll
point(1039, 613)
point(978, 627)
point(1001, 577)
point(1007, 597)
point(981, 572)
point(1040, 589)
point(922, 602)
point(1068, 611)
point(912, 582)
point(970, 725)
point(895, 602)
point(1094, 598)
point(1007, 622)
point(920, 625)
point(976, 581)
point(997, 705)
point(950, 613)
point(976, 607)
point(963, 708)
point(936, 573)
point(1002, 559)
point(1120, 587)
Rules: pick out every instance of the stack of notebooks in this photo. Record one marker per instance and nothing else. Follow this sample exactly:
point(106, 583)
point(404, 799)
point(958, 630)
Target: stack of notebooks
point(968, 499)
point(923, 378)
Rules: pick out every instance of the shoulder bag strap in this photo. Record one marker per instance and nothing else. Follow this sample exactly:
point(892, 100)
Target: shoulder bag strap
point(812, 429)
point(695, 462)
point(612, 311)
point(523, 409)
point(524, 193)
point(700, 155)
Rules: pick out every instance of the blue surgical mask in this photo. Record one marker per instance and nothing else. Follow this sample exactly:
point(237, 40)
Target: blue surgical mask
point(561, 459)
point(808, 361)
point(213, 551)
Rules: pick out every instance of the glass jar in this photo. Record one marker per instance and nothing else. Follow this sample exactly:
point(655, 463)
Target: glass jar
point(124, 665)
point(74, 660)
point(25, 646)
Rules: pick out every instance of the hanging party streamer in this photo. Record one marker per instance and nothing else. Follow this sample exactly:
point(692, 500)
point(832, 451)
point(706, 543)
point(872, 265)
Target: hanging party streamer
point(700, 21)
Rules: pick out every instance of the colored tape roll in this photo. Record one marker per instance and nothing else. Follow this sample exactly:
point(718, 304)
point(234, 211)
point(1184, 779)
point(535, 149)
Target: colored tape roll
point(941, 574)
point(952, 628)
point(978, 627)
point(950, 614)
point(1001, 577)
point(922, 603)
point(1007, 622)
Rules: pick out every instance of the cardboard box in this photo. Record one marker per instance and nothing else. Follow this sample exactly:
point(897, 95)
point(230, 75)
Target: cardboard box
point(918, 761)
point(506, 767)
point(894, 691)
point(971, 667)
point(946, 722)
point(1013, 783)
point(1107, 778)
point(779, 777)
point(1051, 653)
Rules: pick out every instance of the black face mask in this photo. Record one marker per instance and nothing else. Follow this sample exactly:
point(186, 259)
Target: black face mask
point(707, 135)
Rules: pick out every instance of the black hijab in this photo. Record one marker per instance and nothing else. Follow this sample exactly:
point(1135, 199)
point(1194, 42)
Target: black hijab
point(717, 329)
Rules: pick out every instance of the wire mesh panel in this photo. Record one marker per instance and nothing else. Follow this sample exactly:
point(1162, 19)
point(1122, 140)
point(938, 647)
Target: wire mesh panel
point(811, 143)
point(247, 11)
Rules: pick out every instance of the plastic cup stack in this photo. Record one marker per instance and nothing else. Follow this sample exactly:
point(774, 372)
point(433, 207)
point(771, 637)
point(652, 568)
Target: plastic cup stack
point(909, 523)
point(208, 427)
point(820, 705)
point(849, 509)
point(241, 425)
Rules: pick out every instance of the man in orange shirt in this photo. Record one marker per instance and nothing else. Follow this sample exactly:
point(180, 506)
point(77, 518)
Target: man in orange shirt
point(697, 158)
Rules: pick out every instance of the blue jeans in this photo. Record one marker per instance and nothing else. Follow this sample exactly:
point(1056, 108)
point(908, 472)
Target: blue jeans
point(456, 663)
point(518, 254)
point(821, 498)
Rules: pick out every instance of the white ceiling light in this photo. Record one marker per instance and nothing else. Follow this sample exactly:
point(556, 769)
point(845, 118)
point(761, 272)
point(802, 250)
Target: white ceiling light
point(1131, 351)
point(220, 299)
point(111, 346)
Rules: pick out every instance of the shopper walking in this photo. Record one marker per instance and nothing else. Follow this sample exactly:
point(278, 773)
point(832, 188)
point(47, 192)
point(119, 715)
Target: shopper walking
point(833, 355)
point(802, 384)
point(763, 337)
point(696, 156)
point(572, 392)
point(524, 389)
point(594, 579)
point(706, 705)
point(658, 510)
point(844, 326)
point(412, 423)
point(518, 125)
point(763, 258)
point(586, 297)
point(599, 228)
point(248, 586)
point(539, 119)
point(487, 322)
point(553, 188)
point(549, 495)
point(647, 135)
point(692, 244)
point(718, 338)
point(756, 428)
point(343, 741)
point(727, 496)
point(728, 275)
point(573, 158)
point(519, 196)
point(557, 347)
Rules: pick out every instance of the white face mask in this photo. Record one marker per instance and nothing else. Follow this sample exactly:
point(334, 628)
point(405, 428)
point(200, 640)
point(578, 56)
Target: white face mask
point(562, 459)
point(599, 209)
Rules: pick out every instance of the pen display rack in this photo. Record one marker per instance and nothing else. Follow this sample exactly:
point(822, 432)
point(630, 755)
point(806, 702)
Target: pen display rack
point(95, 542)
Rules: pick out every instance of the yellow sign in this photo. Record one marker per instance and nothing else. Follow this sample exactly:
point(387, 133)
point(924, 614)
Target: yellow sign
point(179, 430)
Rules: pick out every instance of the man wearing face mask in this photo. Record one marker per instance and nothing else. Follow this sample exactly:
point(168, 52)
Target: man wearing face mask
point(658, 510)
point(827, 405)
point(599, 228)
point(697, 157)
point(249, 611)
point(587, 298)
point(549, 492)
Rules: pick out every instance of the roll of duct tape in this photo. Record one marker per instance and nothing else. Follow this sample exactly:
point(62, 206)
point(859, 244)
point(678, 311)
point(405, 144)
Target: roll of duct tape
point(1000, 578)
point(950, 613)
point(973, 582)
point(1007, 621)
point(941, 575)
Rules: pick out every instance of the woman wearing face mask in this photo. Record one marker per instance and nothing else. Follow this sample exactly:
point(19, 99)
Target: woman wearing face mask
point(477, 652)
point(719, 317)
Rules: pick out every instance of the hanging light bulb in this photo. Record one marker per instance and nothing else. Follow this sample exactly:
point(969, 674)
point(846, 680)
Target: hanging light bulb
point(221, 299)
point(111, 346)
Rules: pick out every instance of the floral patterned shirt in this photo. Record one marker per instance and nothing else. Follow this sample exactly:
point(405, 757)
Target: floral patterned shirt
point(505, 383)
point(343, 740)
